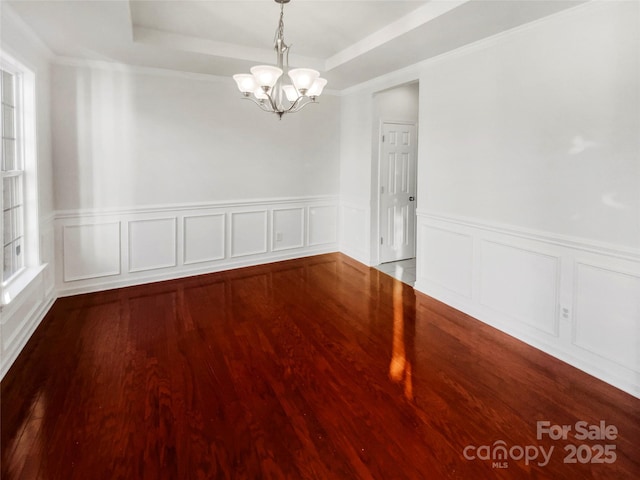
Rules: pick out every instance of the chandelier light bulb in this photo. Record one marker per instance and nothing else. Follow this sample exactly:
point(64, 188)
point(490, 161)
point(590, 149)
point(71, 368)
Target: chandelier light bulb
point(259, 94)
point(317, 87)
point(303, 78)
point(266, 75)
point(246, 82)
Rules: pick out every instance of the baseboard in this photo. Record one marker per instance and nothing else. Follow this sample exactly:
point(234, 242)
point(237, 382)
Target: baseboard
point(187, 272)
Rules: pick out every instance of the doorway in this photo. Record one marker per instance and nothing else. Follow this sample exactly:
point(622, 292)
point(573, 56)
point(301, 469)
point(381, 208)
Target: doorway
point(394, 174)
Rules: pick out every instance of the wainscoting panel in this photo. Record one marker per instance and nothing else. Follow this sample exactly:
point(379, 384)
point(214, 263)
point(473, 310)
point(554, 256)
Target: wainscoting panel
point(288, 228)
point(22, 316)
point(91, 250)
point(47, 255)
point(520, 283)
point(204, 238)
point(22, 312)
point(355, 235)
point(107, 249)
point(576, 300)
point(323, 227)
point(607, 317)
point(249, 233)
point(446, 259)
point(152, 244)
point(21, 308)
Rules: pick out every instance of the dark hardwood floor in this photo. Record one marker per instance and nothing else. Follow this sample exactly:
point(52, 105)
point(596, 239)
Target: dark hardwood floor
point(318, 368)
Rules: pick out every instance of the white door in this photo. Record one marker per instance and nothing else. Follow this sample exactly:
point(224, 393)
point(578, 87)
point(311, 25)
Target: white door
point(398, 151)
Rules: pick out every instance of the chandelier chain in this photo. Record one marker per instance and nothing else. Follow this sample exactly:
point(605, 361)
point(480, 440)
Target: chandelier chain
point(279, 45)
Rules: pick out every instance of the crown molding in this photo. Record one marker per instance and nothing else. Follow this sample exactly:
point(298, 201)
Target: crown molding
point(8, 13)
point(134, 69)
point(160, 72)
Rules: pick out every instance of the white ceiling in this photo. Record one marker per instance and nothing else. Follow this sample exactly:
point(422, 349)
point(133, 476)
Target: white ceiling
point(348, 41)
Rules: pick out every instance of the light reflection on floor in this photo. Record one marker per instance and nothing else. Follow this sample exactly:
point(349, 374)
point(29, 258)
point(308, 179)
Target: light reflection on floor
point(403, 270)
point(400, 367)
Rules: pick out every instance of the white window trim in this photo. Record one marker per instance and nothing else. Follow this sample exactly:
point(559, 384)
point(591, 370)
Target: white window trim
point(26, 120)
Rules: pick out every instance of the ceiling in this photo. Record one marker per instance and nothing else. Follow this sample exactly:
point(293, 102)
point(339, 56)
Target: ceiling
point(348, 41)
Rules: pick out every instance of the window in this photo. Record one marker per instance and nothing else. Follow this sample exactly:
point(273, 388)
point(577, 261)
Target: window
point(19, 223)
point(12, 178)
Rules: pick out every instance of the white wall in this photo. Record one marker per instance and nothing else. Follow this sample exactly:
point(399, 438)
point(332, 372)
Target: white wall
point(540, 129)
point(147, 156)
point(20, 318)
point(130, 138)
point(397, 103)
point(529, 183)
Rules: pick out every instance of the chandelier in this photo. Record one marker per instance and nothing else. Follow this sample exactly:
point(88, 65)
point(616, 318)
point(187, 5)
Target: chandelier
point(268, 88)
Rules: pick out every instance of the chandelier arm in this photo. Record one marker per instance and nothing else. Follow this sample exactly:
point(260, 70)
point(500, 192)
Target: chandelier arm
point(258, 103)
point(296, 106)
point(266, 108)
point(301, 105)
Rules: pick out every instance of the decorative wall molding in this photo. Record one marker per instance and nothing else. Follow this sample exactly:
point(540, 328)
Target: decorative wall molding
point(576, 243)
point(47, 253)
point(103, 249)
point(323, 225)
point(291, 228)
point(34, 296)
point(355, 234)
point(152, 244)
point(90, 250)
point(192, 207)
point(21, 317)
point(530, 290)
point(447, 259)
point(572, 298)
point(607, 324)
point(203, 238)
point(249, 233)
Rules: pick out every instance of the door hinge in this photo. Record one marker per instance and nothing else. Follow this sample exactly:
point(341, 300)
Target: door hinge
point(382, 138)
point(381, 189)
point(381, 240)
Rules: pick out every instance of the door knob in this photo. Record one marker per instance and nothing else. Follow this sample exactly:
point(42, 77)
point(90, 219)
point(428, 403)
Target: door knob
point(411, 199)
